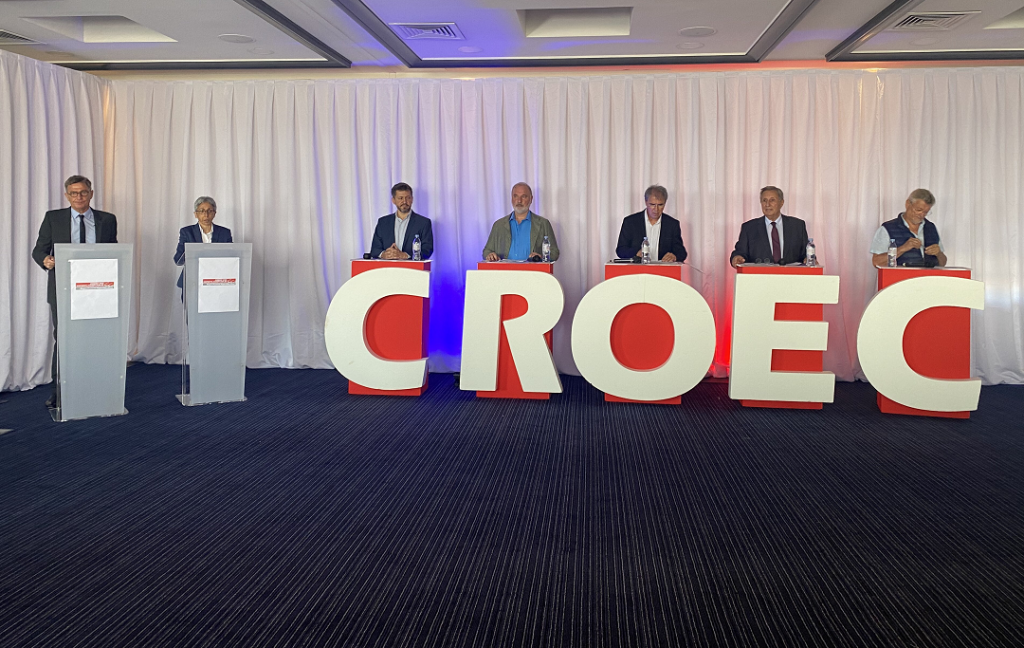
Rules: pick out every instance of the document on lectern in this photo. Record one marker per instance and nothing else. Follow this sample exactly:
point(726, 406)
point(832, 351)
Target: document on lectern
point(218, 284)
point(93, 288)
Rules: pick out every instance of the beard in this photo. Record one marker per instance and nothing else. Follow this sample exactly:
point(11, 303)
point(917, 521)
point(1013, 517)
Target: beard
point(521, 211)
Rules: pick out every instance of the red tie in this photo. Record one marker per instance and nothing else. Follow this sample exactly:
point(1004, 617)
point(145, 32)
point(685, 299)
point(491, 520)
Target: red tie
point(776, 247)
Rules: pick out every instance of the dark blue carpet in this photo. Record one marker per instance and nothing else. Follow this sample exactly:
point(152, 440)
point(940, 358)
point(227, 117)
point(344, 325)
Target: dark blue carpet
point(306, 517)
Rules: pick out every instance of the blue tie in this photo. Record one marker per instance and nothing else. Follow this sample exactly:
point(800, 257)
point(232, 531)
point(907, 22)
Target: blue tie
point(81, 228)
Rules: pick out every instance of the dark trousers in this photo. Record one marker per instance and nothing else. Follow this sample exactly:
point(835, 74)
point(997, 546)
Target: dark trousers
point(53, 366)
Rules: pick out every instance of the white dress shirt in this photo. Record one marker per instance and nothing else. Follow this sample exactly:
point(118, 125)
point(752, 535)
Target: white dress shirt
point(653, 237)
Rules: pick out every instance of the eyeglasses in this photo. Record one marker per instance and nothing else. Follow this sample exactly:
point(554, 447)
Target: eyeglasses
point(205, 212)
point(80, 194)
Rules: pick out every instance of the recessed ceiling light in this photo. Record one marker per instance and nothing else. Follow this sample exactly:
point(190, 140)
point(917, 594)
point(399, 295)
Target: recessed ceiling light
point(689, 45)
point(697, 32)
point(236, 38)
point(469, 50)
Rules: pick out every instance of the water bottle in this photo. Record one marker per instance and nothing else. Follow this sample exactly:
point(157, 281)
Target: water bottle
point(545, 250)
point(811, 258)
point(892, 253)
point(416, 256)
point(645, 251)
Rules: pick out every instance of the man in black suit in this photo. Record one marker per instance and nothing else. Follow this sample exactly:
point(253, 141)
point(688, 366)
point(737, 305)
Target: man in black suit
point(394, 234)
point(204, 231)
point(763, 240)
point(77, 224)
point(661, 230)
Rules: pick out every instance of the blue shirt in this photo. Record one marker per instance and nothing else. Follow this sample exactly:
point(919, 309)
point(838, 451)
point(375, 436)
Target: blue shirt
point(90, 226)
point(520, 248)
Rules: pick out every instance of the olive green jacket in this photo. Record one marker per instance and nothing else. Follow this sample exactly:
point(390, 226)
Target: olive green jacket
point(500, 239)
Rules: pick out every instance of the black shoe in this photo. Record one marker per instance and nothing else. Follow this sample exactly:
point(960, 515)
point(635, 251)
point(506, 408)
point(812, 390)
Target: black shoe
point(51, 402)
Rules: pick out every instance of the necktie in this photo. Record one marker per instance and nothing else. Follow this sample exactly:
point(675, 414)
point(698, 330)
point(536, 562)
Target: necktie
point(776, 247)
point(81, 228)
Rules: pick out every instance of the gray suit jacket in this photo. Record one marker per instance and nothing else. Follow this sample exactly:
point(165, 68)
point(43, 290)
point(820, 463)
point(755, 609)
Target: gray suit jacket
point(500, 239)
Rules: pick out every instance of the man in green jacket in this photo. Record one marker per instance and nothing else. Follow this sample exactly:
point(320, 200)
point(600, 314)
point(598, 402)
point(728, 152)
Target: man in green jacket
point(520, 235)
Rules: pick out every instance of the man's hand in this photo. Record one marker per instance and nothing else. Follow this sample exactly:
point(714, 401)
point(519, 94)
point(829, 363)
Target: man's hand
point(669, 258)
point(932, 250)
point(491, 256)
point(393, 253)
point(912, 243)
point(49, 262)
point(534, 256)
point(737, 260)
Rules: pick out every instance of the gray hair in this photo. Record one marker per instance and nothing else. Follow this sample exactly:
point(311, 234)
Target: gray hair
point(656, 190)
point(77, 179)
point(921, 194)
point(204, 199)
point(778, 192)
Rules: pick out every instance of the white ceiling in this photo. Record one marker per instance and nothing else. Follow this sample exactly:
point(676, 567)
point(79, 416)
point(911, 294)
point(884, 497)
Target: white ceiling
point(324, 33)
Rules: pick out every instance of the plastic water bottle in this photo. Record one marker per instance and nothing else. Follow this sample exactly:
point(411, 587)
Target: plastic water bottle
point(811, 257)
point(645, 251)
point(545, 250)
point(416, 245)
point(892, 253)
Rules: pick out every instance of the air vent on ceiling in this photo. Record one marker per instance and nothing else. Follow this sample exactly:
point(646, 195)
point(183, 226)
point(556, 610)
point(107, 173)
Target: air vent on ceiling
point(8, 38)
point(428, 31)
point(933, 21)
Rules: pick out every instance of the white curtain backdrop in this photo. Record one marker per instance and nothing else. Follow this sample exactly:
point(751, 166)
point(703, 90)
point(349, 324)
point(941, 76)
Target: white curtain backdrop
point(51, 126)
point(302, 170)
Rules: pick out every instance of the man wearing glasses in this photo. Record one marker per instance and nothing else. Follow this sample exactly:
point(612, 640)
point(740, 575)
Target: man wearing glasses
point(79, 223)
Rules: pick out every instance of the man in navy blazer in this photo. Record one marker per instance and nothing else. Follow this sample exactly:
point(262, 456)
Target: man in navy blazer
point(89, 226)
point(757, 242)
point(662, 231)
point(204, 231)
point(404, 224)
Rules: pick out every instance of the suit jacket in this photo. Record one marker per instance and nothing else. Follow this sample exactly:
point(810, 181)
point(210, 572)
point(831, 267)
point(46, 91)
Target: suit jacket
point(499, 240)
point(194, 234)
point(754, 242)
point(634, 229)
point(384, 235)
point(56, 228)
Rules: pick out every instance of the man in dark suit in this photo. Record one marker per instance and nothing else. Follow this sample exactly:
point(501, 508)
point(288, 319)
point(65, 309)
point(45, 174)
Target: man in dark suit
point(79, 223)
point(775, 238)
point(662, 231)
point(204, 231)
point(394, 234)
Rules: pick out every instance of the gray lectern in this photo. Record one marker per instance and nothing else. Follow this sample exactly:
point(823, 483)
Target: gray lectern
point(216, 295)
point(94, 288)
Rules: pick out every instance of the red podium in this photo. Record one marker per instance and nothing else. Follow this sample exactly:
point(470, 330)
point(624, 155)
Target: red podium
point(937, 342)
point(642, 334)
point(396, 326)
point(791, 359)
point(512, 306)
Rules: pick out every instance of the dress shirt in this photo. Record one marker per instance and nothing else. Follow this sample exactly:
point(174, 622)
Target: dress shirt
point(90, 226)
point(520, 248)
point(207, 236)
point(880, 242)
point(653, 237)
point(782, 236)
point(401, 226)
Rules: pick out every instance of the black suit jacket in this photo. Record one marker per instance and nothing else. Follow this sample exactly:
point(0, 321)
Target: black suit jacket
point(56, 228)
point(384, 235)
point(193, 234)
point(754, 243)
point(634, 229)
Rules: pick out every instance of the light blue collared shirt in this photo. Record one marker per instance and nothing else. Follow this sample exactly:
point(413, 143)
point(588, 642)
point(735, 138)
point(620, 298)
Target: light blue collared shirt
point(520, 248)
point(90, 226)
point(401, 227)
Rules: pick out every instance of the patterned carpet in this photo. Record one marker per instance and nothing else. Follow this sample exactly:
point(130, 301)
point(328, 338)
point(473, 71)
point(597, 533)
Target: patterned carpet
point(306, 517)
